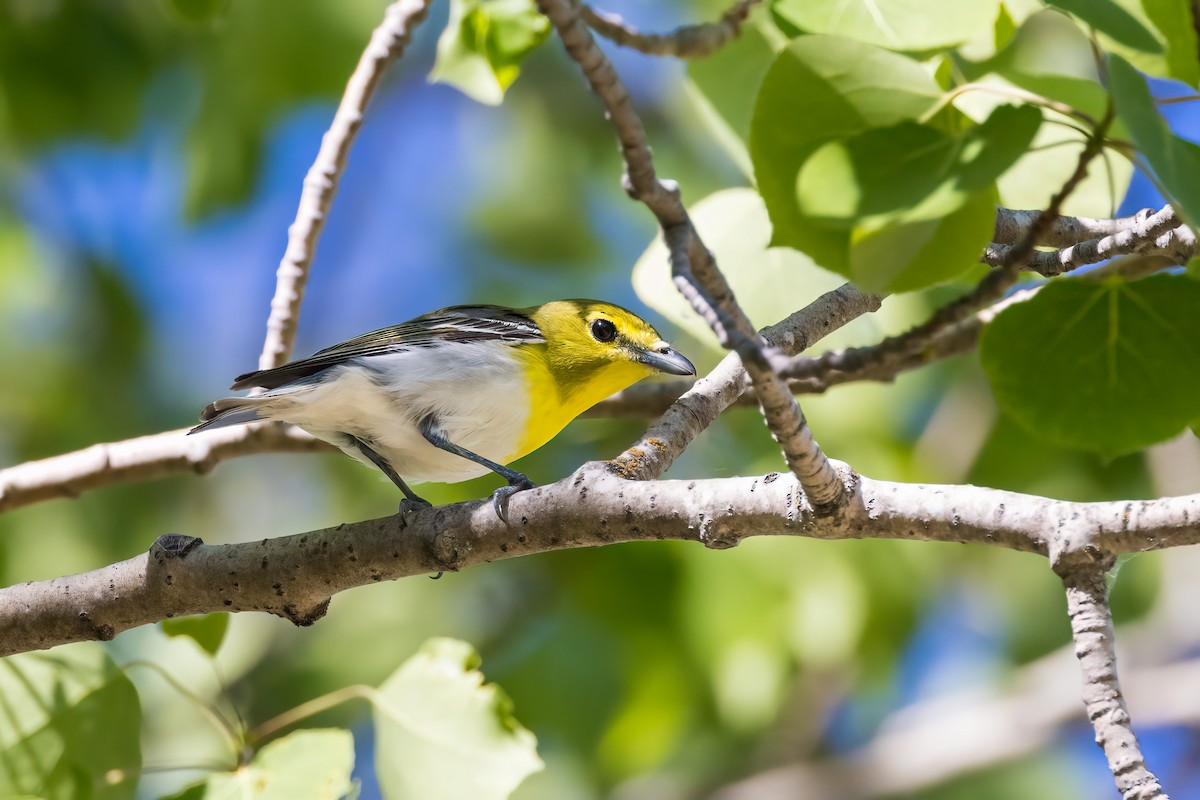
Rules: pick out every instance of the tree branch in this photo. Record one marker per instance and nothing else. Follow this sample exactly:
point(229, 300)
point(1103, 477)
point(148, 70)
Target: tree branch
point(934, 741)
point(1095, 646)
point(686, 41)
point(320, 185)
point(295, 576)
point(1012, 225)
point(143, 458)
point(700, 406)
point(693, 267)
point(1157, 234)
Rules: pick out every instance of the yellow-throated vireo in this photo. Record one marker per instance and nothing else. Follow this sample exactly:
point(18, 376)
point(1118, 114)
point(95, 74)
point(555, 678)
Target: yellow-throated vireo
point(457, 392)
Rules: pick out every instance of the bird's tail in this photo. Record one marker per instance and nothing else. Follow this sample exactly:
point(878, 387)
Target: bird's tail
point(228, 411)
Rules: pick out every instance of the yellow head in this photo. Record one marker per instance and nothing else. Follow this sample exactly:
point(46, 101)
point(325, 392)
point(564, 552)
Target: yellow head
point(592, 350)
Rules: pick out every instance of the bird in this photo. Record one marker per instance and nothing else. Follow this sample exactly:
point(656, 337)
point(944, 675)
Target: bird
point(458, 392)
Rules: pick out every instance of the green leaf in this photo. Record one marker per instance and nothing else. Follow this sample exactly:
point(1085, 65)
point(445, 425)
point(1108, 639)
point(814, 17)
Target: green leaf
point(1175, 162)
point(912, 25)
point(735, 227)
point(1109, 18)
point(481, 49)
point(725, 84)
point(208, 630)
point(906, 206)
point(69, 726)
point(1174, 21)
point(821, 88)
point(1050, 56)
point(1109, 367)
point(905, 254)
point(440, 732)
point(313, 764)
point(199, 12)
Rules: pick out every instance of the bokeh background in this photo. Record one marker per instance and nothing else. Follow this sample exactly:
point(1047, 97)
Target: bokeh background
point(149, 168)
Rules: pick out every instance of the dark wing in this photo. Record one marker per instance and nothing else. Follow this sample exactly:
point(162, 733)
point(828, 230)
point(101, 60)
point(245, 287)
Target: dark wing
point(454, 324)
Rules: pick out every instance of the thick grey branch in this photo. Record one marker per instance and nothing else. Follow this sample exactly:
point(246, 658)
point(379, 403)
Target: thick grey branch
point(686, 41)
point(1095, 646)
point(295, 576)
point(143, 458)
point(320, 185)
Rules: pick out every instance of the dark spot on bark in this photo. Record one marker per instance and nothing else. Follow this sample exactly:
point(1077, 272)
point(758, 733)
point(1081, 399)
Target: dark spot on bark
point(170, 579)
point(278, 587)
point(227, 601)
point(264, 562)
point(770, 477)
point(521, 538)
point(174, 545)
point(503, 547)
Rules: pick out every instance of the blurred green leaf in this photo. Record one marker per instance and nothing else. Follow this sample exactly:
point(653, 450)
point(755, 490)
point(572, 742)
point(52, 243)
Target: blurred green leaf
point(481, 49)
point(1052, 57)
point(263, 65)
point(1108, 17)
point(1174, 20)
point(911, 25)
point(442, 733)
point(74, 68)
point(821, 88)
point(313, 764)
point(727, 83)
point(69, 725)
point(199, 11)
point(1175, 162)
point(1109, 367)
point(207, 630)
point(735, 227)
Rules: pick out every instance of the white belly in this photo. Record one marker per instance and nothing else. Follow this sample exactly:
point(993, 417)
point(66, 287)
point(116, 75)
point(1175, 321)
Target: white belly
point(479, 405)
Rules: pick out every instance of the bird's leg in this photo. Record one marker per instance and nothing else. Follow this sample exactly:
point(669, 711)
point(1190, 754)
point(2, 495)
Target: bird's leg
point(516, 481)
point(411, 501)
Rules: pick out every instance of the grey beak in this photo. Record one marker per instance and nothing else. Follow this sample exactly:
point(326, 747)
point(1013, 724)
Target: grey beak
point(666, 360)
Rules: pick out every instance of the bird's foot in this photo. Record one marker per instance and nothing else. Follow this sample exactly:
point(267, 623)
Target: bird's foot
point(410, 504)
point(500, 497)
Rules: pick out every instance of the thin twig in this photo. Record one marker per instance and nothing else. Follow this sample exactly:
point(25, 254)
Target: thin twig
point(686, 41)
point(1012, 224)
point(1095, 646)
point(700, 406)
point(320, 185)
point(1157, 234)
point(311, 708)
point(146, 457)
point(693, 267)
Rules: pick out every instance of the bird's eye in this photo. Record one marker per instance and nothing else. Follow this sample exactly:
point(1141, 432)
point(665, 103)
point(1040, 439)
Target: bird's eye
point(603, 330)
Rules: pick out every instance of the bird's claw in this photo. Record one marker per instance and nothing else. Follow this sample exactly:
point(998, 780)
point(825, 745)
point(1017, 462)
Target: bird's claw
point(501, 496)
point(410, 504)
